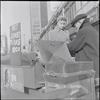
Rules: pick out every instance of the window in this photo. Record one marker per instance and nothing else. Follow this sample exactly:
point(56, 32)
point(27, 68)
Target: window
point(93, 13)
point(84, 3)
point(74, 10)
point(71, 13)
point(24, 47)
point(78, 5)
point(68, 15)
point(92, 16)
point(91, 19)
point(98, 12)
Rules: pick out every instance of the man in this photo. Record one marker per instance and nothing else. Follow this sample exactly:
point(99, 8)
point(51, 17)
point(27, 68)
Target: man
point(59, 33)
point(86, 44)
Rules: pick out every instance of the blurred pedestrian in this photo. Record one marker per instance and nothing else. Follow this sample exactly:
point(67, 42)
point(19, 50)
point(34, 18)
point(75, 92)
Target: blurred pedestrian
point(86, 43)
point(59, 33)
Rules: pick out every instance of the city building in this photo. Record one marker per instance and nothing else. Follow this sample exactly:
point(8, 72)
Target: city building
point(70, 9)
point(52, 7)
point(39, 19)
point(35, 16)
point(32, 17)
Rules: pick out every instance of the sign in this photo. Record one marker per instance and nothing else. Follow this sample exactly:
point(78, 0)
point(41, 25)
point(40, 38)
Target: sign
point(13, 78)
point(35, 13)
point(35, 21)
point(15, 44)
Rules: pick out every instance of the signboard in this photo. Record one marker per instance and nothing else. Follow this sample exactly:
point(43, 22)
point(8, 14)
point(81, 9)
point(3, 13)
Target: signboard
point(13, 78)
point(35, 17)
point(35, 21)
point(15, 44)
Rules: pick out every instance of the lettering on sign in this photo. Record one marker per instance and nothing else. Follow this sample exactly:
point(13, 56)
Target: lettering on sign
point(15, 38)
point(15, 35)
point(15, 49)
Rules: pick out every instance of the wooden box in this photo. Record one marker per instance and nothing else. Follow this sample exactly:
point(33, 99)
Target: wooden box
point(33, 76)
point(69, 67)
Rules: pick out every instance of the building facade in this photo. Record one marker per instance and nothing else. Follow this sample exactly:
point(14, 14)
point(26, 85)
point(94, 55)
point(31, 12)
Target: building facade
point(39, 19)
point(70, 9)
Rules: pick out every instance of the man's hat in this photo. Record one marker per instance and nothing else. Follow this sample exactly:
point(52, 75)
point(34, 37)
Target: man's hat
point(77, 18)
point(61, 18)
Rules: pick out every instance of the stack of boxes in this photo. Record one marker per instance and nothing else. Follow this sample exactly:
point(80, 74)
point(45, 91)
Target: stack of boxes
point(63, 73)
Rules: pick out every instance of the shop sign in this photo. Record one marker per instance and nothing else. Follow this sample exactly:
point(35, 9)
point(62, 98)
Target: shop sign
point(15, 44)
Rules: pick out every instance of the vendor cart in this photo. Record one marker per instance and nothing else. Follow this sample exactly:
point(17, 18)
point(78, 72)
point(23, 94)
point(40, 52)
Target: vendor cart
point(48, 80)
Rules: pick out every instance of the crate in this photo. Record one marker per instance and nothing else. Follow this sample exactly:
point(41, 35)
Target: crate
point(68, 67)
point(33, 76)
point(25, 76)
point(64, 75)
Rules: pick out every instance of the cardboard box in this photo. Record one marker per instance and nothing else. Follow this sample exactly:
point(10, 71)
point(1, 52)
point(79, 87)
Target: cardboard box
point(72, 67)
point(80, 86)
point(33, 76)
point(13, 78)
point(77, 89)
point(68, 79)
point(28, 76)
point(69, 67)
point(56, 67)
point(22, 59)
